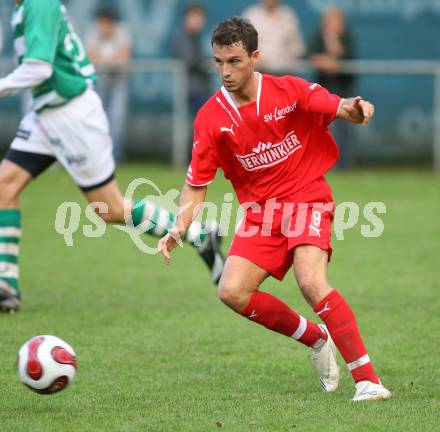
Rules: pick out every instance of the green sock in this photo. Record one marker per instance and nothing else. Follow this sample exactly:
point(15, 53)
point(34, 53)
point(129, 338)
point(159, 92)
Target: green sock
point(161, 220)
point(10, 233)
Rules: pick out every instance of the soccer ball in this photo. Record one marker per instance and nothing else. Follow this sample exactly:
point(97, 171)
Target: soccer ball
point(46, 364)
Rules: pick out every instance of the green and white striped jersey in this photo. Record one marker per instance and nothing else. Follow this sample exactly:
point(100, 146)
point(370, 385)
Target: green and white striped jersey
point(42, 32)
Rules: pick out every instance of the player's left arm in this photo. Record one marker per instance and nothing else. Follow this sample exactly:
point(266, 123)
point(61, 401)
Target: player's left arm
point(316, 99)
point(26, 76)
point(355, 110)
point(41, 22)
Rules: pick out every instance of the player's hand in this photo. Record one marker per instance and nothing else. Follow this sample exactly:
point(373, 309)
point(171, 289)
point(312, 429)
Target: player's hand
point(360, 111)
point(169, 242)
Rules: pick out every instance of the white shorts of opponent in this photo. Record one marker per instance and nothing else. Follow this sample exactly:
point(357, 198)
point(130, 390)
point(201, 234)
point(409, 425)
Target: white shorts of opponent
point(76, 134)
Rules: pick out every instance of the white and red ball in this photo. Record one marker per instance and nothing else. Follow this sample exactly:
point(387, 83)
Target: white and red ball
point(46, 364)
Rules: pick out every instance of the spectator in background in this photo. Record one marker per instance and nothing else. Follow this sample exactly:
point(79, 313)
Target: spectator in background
point(1, 39)
point(187, 46)
point(110, 48)
point(330, 44)
point(279, 31)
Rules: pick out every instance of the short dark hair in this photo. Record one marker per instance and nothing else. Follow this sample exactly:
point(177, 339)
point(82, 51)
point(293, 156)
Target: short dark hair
point(107, 13)
point(234, 30)
point(194, 8)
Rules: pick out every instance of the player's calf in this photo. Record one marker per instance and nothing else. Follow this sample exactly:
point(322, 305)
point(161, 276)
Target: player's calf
point(109, 202)
point(8, 194)
point(112, 214)
point(12, 181)
point(341, 323)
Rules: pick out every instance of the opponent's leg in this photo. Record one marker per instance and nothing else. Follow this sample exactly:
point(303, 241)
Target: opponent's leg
point(111, 195)
point(28, 157)
point(79, 131)
point(13, 180)
point(157, 221)
point(239, 290)
point(310, 266)
point(205, 238)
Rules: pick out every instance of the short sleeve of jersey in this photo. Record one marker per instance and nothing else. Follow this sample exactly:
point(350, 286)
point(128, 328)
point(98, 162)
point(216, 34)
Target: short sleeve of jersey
point(203, 167)
point(316, 99)
point(42, 20)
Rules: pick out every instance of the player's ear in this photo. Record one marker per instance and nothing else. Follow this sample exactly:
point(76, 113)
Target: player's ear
point(255, 57)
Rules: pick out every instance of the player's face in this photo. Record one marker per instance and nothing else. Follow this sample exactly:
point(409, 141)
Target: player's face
point(234, 65)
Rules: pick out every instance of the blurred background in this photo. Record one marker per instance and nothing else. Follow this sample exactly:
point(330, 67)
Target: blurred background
point(153, 58)
point(157, 351)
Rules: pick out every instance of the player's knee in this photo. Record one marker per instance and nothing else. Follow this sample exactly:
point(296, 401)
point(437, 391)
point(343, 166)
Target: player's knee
point(313, 287)
point(232, 295)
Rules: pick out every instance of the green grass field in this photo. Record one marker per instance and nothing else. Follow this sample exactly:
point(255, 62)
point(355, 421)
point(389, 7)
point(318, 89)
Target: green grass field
point(158, 352)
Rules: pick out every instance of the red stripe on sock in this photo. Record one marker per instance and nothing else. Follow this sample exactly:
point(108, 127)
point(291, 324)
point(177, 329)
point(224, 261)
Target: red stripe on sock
point(267, 310)
point(341, 323)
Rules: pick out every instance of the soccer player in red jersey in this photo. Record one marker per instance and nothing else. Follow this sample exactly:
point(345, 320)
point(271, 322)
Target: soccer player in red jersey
point(270, 137)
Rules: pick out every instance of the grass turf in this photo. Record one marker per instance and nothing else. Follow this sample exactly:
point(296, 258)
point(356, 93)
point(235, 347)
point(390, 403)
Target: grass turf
point(158, 352)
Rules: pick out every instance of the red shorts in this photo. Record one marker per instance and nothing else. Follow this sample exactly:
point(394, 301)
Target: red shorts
point(269, 233)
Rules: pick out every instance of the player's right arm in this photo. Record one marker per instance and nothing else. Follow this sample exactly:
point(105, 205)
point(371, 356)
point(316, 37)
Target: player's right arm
point(41, 20)
point(201, 172)
point(26, 76)
point(191, 199)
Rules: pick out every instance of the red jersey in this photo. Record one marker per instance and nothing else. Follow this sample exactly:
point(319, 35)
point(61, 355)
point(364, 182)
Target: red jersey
point(268, 148)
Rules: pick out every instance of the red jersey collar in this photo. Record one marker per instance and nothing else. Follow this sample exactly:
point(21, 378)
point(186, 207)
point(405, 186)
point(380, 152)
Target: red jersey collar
point(232, 103)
